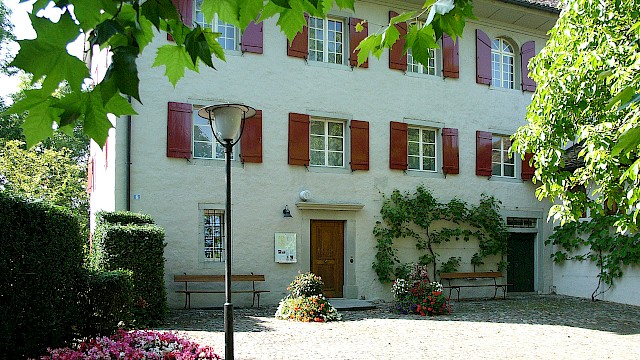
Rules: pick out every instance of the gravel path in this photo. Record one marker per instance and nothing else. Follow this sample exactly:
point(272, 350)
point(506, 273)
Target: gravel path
point(520, 327)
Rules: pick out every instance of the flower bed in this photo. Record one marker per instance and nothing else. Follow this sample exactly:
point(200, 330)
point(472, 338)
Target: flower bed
point(418, 295)
point(306, 303)
point(139, 344)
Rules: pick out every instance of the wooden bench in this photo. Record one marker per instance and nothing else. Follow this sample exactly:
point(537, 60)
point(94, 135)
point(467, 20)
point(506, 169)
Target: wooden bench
point(495, 275)
point(218, 279)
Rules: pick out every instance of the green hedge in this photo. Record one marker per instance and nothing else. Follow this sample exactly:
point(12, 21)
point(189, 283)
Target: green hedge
point(108, 302)
point(139, 248)
point(122, 218)
point(40, 273)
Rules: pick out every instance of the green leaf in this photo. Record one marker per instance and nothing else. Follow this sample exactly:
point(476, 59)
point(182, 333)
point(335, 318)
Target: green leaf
point(624, 96)
point(124, 71)
point(227, 10)
point(628, 141)
point(346, 4)
point(89, 12)
point(291, 22)
point(197, 46)
point(402, 17)
point(175, 59)
point(105, 30)
point(371, 44)
point(249, 11)
point(51, 45)
point(421, 41)
point(284, 3)
point(155, 10)
point(38, 125)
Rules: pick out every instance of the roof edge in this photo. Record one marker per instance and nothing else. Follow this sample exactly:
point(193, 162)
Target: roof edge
point(532, 5)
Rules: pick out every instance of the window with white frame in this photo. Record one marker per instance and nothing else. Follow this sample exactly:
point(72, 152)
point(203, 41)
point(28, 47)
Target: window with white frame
point(502, 64)
point(326, 40)
point(421, 144)
point(502, 163)
point(205, 145)
point(417, 67)
point(214, 233)
point(229, 37)
point(326, 142)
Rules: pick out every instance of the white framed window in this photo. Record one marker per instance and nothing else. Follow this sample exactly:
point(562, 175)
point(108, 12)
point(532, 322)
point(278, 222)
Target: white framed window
point(502, 64)
point(326, 142)
point(422, 147)
point(327, 40)
point(417, 67)
point(502, 163)
point(214, 235)
point(229, 37)
point(205, 145)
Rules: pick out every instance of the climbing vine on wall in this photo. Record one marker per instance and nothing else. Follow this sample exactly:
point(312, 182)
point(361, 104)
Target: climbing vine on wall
point(597, 241)
point(412, 215)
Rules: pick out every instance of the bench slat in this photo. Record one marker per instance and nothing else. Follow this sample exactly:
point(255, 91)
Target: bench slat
point(472, 275)
point(216, 278)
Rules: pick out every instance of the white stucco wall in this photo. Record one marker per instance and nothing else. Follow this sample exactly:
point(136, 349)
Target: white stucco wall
point(171, 190)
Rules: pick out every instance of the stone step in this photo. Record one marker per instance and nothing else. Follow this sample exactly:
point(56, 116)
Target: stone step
point(351, 304)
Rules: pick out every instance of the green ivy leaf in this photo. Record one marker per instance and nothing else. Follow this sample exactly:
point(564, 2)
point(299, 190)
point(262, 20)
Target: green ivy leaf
point(175, 59)
point(51, 45)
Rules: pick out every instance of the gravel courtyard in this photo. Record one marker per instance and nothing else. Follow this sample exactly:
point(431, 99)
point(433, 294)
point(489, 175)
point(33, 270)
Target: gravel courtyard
point(520, 327)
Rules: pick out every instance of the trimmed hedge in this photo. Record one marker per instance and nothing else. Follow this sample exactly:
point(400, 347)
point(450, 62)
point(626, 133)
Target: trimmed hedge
point(108, 302)
point(122, 218)
point(140, 249)
point(41, 274)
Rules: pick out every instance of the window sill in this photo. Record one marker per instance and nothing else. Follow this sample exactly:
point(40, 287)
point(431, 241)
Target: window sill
point(422, 76)
point(214, 162)
point(322, 64)
point(507, 90)
point(425, 174)
point(329, 170)
point(505, 179)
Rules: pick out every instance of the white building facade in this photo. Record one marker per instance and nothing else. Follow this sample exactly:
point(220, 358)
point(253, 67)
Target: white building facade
point(329, 139)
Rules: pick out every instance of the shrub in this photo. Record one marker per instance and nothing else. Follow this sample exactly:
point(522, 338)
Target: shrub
point(306, 284)
point(305, 301)
point(135, 345)
point(41, 268)
point(123, 218)
point(108, 301)
point(140, 249)
point(418, 295)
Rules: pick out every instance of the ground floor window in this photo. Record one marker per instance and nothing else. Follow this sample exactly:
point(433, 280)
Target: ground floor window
point(214, 232)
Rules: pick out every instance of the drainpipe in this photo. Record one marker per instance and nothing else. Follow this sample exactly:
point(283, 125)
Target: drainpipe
point(129, 160)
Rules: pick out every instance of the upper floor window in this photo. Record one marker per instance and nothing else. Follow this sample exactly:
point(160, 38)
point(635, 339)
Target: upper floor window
point(326, 40)
point(417, 67)
point(326, 143)
point(502, 64)
point(205, 145)
point(421, 144)
point(229, 37)
point(502, 163)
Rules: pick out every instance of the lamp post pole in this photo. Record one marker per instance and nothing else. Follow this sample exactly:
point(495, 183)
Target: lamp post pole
point(228, 306)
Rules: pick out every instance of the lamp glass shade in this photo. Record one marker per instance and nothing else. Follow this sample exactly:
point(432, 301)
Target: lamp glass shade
point(227, 118)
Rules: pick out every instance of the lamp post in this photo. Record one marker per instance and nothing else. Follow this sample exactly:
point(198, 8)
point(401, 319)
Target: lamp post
point(225, 121)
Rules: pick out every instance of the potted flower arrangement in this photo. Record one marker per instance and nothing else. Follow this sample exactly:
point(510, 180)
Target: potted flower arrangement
point(418, 295)
point(306, 302)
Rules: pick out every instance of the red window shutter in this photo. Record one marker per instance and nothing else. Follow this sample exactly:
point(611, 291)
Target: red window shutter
point(397, 57)
point(483, 153)
point(298, 139)
point(527, 170)
point(179, 128)
point(185, 10)
point(398, 151)
point(251, 142)
point(450, 60)
point(354, 40)
point(299, 47)
point(90, 176)
point(450, 153)
point(527, 51)
point(483, 58)
point(359, 145)
point(252, 38)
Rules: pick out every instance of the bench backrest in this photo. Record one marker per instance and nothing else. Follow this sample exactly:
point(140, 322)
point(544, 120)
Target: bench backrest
point(472, 275)
point(216, 278)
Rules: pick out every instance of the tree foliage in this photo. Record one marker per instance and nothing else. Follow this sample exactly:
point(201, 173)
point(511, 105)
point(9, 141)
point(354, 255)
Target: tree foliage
point(588, 80)
point(126, 27)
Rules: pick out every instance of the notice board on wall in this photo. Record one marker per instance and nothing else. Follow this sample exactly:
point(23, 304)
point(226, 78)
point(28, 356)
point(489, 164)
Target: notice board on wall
point(285, 248)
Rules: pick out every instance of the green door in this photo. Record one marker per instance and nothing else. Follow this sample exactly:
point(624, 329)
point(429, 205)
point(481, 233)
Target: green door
point(520, 256)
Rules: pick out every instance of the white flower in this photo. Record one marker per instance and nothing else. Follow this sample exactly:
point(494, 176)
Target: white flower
point(441, 7)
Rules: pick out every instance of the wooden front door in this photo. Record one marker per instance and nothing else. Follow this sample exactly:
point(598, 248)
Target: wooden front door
point(520, 271)
point(327, 254)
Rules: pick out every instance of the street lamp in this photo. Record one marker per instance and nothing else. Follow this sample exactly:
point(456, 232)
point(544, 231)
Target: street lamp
point(225, 121)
